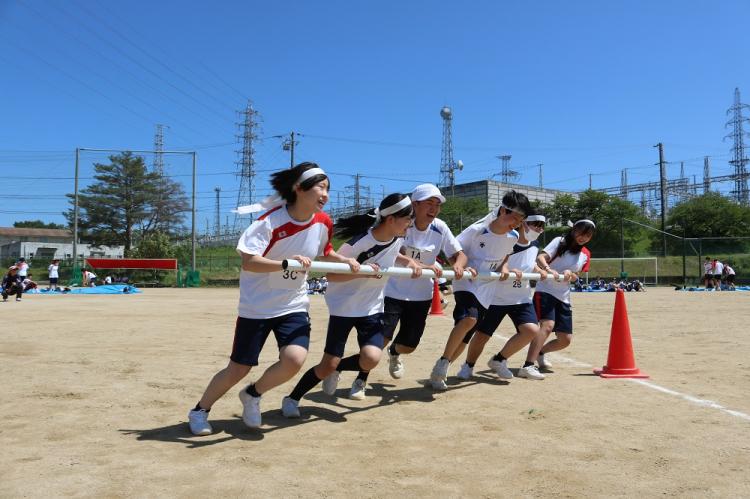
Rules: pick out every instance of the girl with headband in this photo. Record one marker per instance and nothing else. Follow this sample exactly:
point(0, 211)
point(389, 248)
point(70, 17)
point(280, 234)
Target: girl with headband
point(356, 301)
point(512, 297)
point(563, 255)
point(272, 299)
point(408, 301)
point(487, 244)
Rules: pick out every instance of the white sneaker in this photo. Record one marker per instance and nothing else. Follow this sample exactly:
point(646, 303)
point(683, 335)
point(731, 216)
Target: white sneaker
point(500, 368)
point(530, 372)
point(466, 372)
point(358, 390)
point(290, 407)
point(331, 382)
point(250, 409)
point(440, 375)
point(395, 366)
point(199, 425)
point(543, 363)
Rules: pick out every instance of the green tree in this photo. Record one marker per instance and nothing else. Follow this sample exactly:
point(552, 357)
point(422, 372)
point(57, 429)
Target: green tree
point(711, 215)
point(37, 224)
point(459, 213)
point(561, 209)
point(127, 203)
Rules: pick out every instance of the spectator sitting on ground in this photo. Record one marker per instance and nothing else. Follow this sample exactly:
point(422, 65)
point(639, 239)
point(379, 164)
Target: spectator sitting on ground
point(108, 280)
point(29, 284)
point(729, 276)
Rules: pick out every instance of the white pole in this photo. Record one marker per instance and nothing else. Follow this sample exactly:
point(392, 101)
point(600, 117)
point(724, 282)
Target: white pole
point(342, 268)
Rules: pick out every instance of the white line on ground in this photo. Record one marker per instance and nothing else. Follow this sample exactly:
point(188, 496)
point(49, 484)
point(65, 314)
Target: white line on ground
point(649, 384)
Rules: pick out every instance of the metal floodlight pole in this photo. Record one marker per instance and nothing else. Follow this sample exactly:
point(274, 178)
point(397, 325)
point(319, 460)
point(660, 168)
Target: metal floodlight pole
point(684, 256)
point(75, 211)
point(192, 244)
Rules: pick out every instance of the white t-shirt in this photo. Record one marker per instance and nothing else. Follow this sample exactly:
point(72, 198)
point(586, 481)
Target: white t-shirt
point(53, 274)
point(728, 270)
point(568, 261)
point(277, 236)
point(423, 246)
point(510, 291)
point(708, 267)
point(718, 268)
point(23, 269)
point(362, 297)
point(485, 251)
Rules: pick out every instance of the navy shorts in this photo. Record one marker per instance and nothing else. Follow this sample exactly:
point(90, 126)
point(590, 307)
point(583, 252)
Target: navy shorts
point(53, 280)
point(411, 314)
point(549, 308)
point(467, 305)
point(369, 332)
point(251, 334)
point(522, 313)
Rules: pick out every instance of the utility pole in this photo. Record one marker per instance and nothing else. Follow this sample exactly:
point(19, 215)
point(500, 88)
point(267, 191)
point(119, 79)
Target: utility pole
point(218, 212)
point(706, 175)
point(663, 190)
point(356, 193)
point(590, 175)
point(288, 145)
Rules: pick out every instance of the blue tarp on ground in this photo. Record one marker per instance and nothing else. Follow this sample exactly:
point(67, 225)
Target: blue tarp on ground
point(106, 289)
point(737, 288)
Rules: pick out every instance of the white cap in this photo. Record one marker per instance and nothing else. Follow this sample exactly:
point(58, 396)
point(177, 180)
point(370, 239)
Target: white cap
point(426, 191)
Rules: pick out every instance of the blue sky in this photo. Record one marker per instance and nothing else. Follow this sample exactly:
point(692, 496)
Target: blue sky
point(582, 87)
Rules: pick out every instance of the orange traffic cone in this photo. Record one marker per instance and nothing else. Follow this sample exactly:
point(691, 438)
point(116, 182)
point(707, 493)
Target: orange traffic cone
point(437, 307)
point(620, 360)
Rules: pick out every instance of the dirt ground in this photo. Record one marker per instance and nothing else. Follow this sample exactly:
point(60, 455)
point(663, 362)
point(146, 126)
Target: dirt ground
point(96, 391)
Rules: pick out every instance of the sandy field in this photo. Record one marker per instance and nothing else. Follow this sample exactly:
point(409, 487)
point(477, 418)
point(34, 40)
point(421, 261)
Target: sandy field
point(96, 391)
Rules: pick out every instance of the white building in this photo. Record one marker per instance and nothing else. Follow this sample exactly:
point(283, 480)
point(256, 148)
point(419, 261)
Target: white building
point(48, 244)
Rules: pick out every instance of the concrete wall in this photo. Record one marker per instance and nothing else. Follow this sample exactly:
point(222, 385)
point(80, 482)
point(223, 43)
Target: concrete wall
point(58, 250)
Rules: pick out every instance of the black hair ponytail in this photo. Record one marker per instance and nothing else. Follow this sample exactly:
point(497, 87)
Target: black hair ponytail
point(358, 224)
point(283, 181)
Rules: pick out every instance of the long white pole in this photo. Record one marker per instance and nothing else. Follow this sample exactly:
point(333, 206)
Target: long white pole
point(342, 268)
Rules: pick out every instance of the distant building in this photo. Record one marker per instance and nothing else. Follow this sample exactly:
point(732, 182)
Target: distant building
point(491, 192)
point(16, 242)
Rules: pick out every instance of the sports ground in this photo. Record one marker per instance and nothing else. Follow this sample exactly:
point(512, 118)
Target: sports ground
point(96, 391)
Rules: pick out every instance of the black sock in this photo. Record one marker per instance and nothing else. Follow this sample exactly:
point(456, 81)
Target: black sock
point(305, 384)
point(250, 390)
point(527, 364)
point(471, 364)
point(392, 349)
point(444, 358)
point(363, 375)
point(199, 408)
point(541, 353)
point(499, 358)
point(349, 364)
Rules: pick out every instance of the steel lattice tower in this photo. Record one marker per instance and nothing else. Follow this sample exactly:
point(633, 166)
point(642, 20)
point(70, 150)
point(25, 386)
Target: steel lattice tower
point(448, 167)
point(739, 159)
point(246, 138)
point(706, 175)
point(158, 165)
point(506, 174)
point(624, 183)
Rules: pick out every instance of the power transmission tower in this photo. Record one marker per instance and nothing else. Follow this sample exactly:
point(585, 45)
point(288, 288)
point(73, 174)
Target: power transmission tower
point(448, 167)
point(624, 183)
point(506, 174)
point(247, 136)
point(541, 183)
point(217, 222)
point(739, 160)
point(706, 175)
point(158, 165)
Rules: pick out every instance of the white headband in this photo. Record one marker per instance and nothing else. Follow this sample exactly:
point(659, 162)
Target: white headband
point(394, 208)
point(535, 218)
point(582, 221)
point(493, 214)
point(276, 200)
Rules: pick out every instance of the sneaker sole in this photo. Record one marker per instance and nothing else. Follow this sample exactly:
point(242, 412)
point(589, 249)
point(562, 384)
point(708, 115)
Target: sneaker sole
point(201, 433)
point(355, 396)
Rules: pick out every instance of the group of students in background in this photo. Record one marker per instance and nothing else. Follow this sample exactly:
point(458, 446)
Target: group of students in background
point(717, 275)
point(17, 280)
point(600, 284)
point(317, 285)
point(389, 314)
